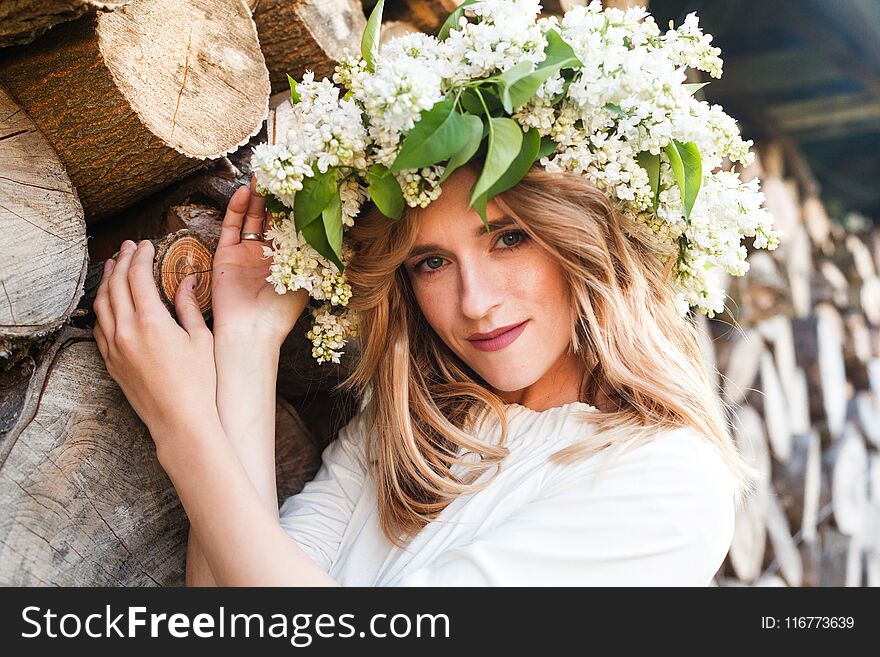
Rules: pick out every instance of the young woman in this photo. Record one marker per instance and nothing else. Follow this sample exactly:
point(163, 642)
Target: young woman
point(535, 411)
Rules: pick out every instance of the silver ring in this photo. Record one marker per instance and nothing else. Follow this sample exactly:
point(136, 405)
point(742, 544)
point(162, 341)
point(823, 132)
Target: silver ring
point(252, 236)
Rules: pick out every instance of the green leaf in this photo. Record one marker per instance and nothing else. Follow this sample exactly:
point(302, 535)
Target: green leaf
point(687, 167)
point(451, 22)
point(470, 99)
point(440, 133)
point(615, 109)
point(370, 38)
point(325, 236)
point(548, 146)
point(294, 93)
point(694, 87)
point(558, 53)
point(528, 152)
point(385, 191)
point(475, 136)
point(505, 141)
point(316, 193)
point(479, 204)
point(519, 83)
point(651, 164)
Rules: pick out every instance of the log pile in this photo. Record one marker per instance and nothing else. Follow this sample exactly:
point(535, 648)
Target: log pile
point(138, 124)
point(797, 358)
point(128, 124)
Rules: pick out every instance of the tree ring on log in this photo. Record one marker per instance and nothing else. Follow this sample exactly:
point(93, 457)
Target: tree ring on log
point(178, 255)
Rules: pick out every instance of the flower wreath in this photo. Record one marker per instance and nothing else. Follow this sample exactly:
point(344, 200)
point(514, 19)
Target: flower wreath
point(598, 92)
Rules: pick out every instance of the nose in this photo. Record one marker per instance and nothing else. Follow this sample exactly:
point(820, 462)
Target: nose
point(479, 291)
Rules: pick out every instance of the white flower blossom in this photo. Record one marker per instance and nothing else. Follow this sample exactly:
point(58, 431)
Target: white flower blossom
point(628, 99)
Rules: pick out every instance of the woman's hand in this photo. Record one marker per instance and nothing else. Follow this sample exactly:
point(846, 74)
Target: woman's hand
point(246, 306)
point(166, 370)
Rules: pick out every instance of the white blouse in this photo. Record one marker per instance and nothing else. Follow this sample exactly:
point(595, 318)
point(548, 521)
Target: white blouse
point(661, 514)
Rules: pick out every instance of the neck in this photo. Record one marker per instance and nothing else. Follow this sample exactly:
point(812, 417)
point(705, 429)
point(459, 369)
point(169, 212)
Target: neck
point(559, 385)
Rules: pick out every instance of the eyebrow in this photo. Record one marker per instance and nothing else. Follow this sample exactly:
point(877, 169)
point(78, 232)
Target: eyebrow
point(500, 222)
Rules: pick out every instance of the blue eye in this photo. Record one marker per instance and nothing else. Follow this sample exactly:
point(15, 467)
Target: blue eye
point(520, 238)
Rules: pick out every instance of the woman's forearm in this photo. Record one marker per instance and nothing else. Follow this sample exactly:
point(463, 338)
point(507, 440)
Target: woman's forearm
point(239, 535)
point(246, 375)
point(198, 570)
point(247, 370)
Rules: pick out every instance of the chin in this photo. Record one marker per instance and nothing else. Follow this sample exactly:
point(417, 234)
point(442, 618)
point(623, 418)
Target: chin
point(507, 379)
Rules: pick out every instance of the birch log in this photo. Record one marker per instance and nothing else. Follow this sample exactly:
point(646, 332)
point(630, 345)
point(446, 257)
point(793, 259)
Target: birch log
point(134, 99)
point(43, 255)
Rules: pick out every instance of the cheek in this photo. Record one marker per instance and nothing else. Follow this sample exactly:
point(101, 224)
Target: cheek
point(433, 298)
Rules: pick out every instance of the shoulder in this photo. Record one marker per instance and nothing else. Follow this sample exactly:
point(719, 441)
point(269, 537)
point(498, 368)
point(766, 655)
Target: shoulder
point(350, 443)
point(674, 493)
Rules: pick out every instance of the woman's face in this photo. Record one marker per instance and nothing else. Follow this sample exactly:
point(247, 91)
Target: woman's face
point(469, 281)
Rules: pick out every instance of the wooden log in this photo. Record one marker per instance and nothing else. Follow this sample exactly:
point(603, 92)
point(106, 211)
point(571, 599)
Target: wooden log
point(146, 94)
point(297, 35)
point(849, 483)
point(834, 557)
point(867, 411)
point(743, 365)
point(85, 500)
point(22, 21)
point(750, 532)
point(785, 550)
point(393, 29)
point(816, 221)
point(43, 254)
point(775, 407)
point(797, 482)
point(424, 15)
point(819, 349)
point(208, 188)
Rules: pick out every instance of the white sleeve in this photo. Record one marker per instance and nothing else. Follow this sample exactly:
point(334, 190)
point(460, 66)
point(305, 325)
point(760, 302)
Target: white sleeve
point(660, 515)
point(317, 516)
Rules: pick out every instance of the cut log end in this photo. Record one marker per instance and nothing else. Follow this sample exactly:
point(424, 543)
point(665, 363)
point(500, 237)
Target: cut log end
point(179, 255)
point(212, 93)
point(42, 232)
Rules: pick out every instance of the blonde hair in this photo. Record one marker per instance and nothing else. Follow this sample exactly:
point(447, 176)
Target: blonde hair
point(638, 353)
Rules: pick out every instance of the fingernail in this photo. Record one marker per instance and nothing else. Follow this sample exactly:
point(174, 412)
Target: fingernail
point(142, 243)
point(108, 264)
point(126, 245)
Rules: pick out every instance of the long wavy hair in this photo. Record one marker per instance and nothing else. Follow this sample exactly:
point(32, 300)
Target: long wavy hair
point(640, 357)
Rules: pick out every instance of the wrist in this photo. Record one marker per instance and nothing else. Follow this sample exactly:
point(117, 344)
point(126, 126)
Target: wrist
point(177, 444)
point(247, 339)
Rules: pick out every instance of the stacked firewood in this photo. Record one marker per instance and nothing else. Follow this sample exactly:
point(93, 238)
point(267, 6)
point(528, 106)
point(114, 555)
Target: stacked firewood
point(135, 120)
point(129, 120)
point(797, 359)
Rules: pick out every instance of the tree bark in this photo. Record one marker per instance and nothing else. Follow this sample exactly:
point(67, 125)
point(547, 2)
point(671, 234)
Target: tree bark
point(296, 35)
point(22, 21)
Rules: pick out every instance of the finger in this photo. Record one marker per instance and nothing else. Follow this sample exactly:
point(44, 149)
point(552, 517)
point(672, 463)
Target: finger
point(120, 292)
point(144, 292)
point(253, 220)
point(101, 304)
point(187, 306)
point(100, 340)
point(230, 230)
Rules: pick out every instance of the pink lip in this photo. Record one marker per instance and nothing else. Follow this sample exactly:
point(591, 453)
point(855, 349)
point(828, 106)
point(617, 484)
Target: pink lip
point(500, 341)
